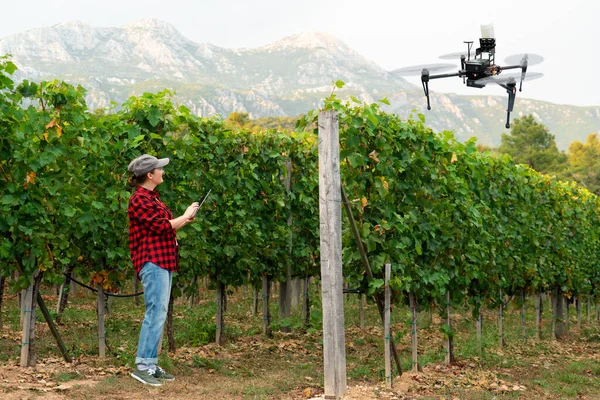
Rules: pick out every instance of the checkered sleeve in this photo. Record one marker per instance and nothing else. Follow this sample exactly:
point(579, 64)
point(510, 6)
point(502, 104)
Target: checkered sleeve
point(150, 216)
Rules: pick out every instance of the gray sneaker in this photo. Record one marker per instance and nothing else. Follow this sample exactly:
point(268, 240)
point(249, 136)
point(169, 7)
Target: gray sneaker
point(145, 377)
point(161, 374)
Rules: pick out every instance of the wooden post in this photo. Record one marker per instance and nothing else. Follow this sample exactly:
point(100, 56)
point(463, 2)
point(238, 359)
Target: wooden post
point(361, 310)
point(254, 302)
point(567, 317)
point(523, 327)
point(296, 289)
point(553, 302)
point(220, 306)
point(589, 309)
point(266, 288)
point(27, 310)
point(330, 222)
point(386, 328)
point(561, 329)
point(538, 316)
point(22, 295)
point(2, 279)
point(578, 307)
point(500, 325)
point(101, 331)
point(284, 305)
point(413, 331)
point(285, 291)
point(479, 329)
point(449, 338)
point(63, 296)
point(306, 301)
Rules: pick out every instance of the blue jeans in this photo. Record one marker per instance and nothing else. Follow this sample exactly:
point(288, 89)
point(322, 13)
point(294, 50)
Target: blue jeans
point(157, 290)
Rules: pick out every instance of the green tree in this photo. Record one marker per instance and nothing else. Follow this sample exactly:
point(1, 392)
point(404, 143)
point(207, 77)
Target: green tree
point(530, 142)
point(237, 120)
point(584, 163)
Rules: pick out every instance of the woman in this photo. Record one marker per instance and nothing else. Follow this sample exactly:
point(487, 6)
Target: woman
point(154, 251)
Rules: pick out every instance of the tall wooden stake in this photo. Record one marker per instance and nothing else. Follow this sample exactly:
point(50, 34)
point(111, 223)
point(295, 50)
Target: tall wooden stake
point(449, 339)
point(254, 301)
point(361, 310)
point(523, 327)
point(386, 328)
point(538, 316)
point(330, 222)
point(500, 325)
point(479, 330)
point(27, 303)
point(306, 302)
point(101, 331)
point(578, 308)
point(2, 279)
point(220, 310)
point(266, 294)
point(413, 330)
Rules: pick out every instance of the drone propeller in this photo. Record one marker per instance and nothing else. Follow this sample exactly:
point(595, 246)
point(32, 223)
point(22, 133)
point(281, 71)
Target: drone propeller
point(518, 59)
point(457, 55)
point(417, 69)
point(506, 78)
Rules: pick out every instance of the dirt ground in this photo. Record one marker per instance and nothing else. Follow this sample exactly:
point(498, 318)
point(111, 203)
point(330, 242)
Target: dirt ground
point(46, 382)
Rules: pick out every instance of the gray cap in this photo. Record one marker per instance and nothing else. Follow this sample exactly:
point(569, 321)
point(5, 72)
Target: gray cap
point(146, 163)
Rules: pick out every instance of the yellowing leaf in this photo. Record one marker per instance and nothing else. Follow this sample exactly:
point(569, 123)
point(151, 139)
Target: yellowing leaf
point(454, 158)
point(364, 202)
point(373, 156)
point(30, 177)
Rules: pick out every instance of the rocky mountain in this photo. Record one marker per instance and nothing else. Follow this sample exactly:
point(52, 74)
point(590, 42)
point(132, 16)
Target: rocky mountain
point(287, 77)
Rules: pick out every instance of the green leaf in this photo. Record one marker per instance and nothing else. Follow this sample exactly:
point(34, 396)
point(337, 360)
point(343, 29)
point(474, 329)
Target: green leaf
point(154, 116)
point(339, 84)
point(9, 199)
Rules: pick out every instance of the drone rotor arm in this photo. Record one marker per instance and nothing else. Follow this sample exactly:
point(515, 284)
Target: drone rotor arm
point(459, 73)
point(512, 67)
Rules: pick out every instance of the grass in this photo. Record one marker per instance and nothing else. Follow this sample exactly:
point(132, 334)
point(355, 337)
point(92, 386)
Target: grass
point(250, 366)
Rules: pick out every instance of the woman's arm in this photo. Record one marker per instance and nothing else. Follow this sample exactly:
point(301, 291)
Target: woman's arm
point(188, 216)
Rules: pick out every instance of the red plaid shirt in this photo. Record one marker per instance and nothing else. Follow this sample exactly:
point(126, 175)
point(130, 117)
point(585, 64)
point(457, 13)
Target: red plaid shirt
point(151, 236)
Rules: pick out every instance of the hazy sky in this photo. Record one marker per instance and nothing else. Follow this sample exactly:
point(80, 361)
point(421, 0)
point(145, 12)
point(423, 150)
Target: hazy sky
point(392, 33)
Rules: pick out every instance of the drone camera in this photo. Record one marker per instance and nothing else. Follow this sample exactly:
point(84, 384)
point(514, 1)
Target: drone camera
point(487, 45)
point(476, 66)
point(474, 83)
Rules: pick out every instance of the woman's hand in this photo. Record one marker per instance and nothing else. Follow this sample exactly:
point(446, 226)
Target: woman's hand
point(191, 211)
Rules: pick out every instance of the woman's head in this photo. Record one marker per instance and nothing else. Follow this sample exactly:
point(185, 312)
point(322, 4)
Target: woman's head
point(147, 170)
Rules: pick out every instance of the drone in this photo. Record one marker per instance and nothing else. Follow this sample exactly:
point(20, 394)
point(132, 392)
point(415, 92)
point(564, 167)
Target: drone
point(480, 69)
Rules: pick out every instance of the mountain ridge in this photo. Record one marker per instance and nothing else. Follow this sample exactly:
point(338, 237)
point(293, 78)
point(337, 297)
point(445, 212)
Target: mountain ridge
point(287, 77)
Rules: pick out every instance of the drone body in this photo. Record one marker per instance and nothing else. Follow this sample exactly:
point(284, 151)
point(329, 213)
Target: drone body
point(481, 69)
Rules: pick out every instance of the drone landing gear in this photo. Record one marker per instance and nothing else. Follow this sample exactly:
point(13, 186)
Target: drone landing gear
point(425, 77)
point(511, 89)
point(425, 82)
